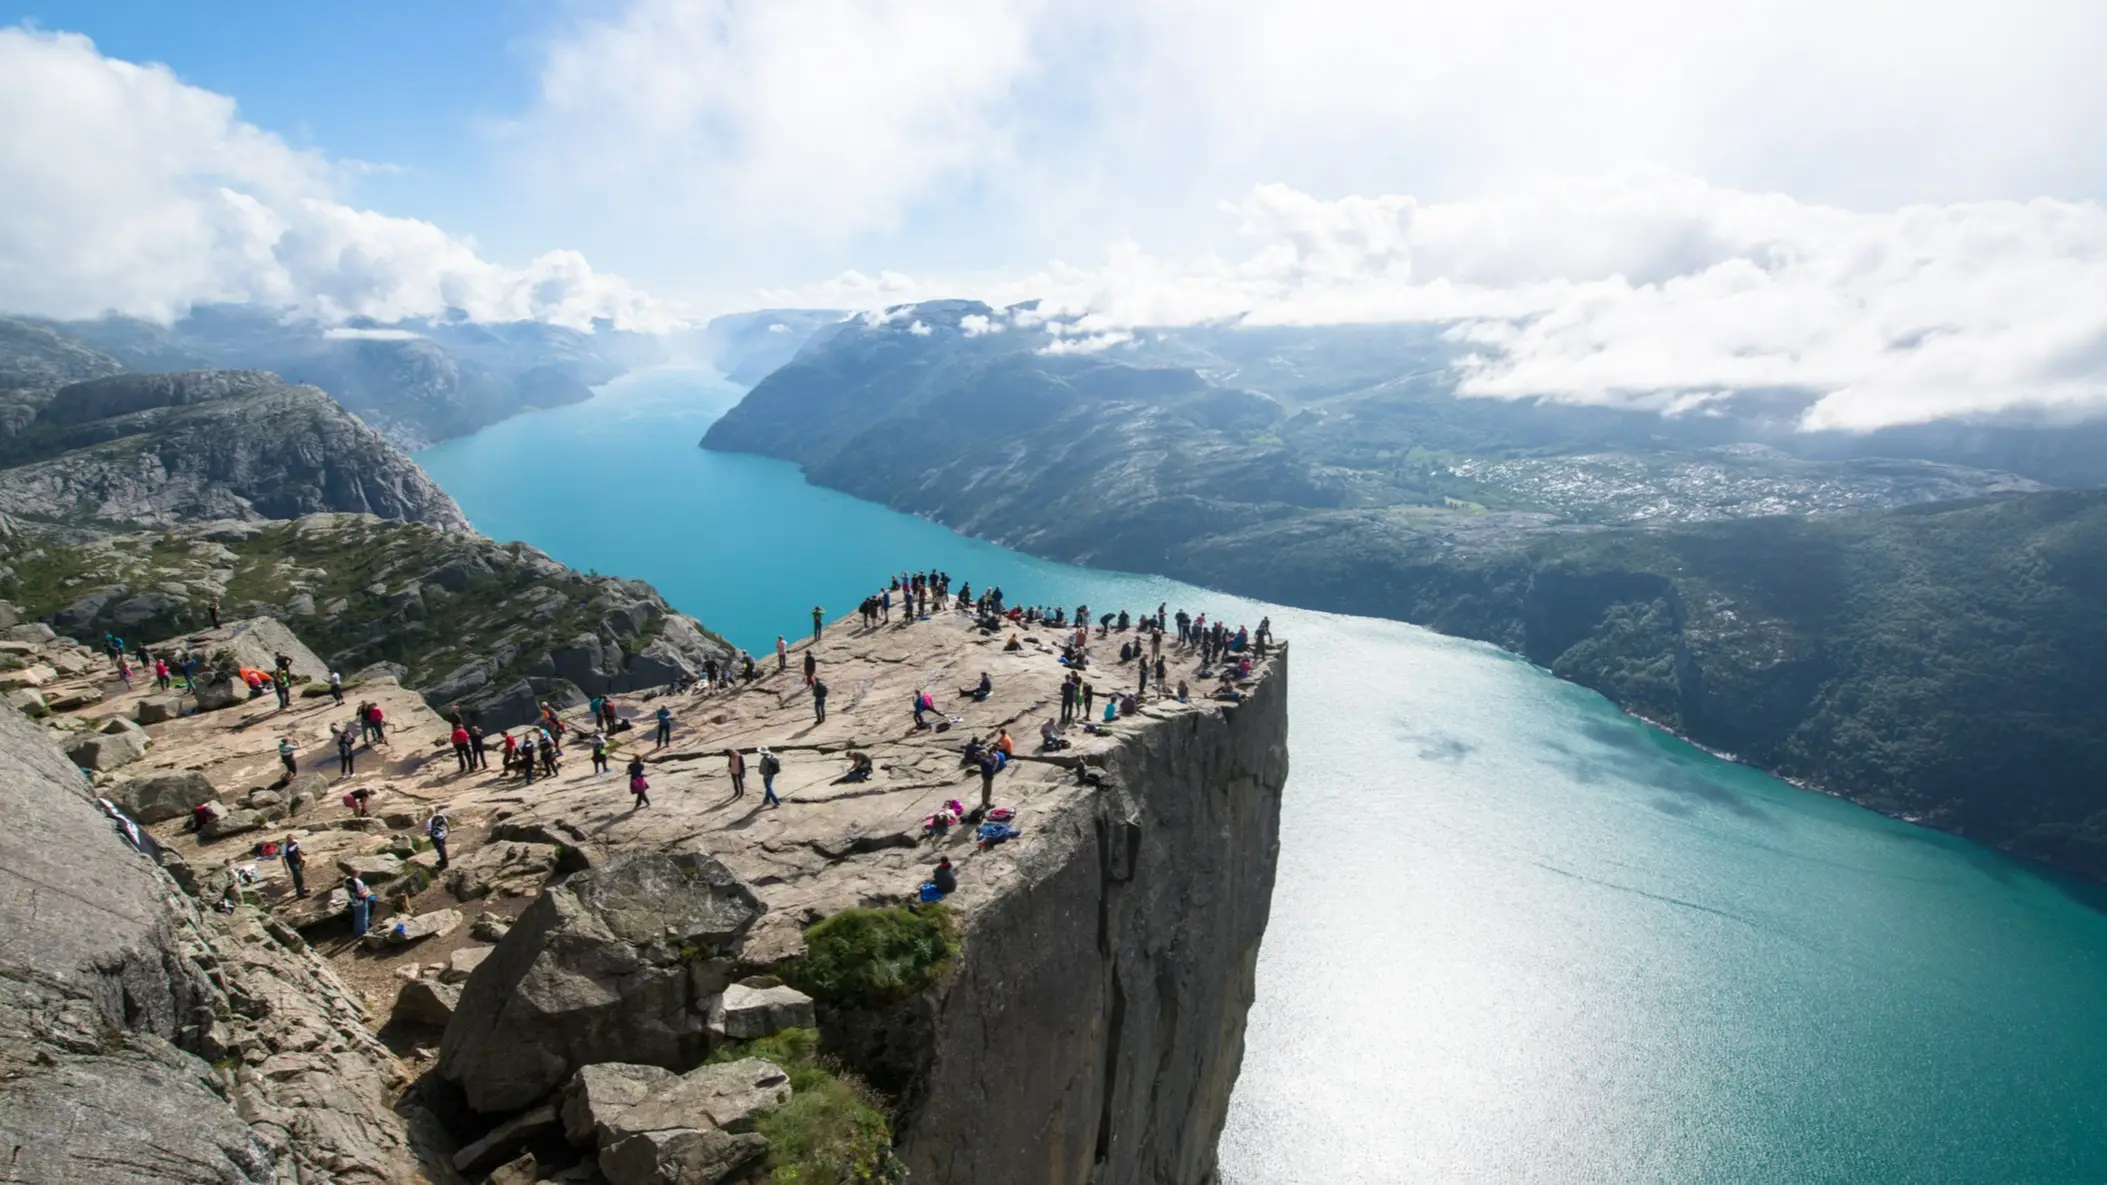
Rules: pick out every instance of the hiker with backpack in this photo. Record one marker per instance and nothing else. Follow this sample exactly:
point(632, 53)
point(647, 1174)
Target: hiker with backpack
point(599, 742)
point(664, 735)
point(285, 755)
point(361, 905)
point(344, 752)
point(770, 767)
point(436, 829)
point(637, 785)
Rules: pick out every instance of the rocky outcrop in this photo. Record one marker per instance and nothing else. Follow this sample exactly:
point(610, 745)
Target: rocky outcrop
point(143, 1042)
point(161, 449)
point(608, 967)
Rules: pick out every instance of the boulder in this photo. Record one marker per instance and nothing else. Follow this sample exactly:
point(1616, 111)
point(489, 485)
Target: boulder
point(35, 674)
point(596, 1094)
point(507, 1140)
point(462, 963)
point(101, 751)
point(744, 1013)
point(157, 798)
point(696, 1129)
point(596, 970)
point(28, 702)
point(373, 867)
point(509, 868)
point(121, 726)
point(69, 701)
point(220, 693)
point(35, 631)
point(234, 822)
point(679, 1156)
point(303, 792)
point(437, 924)
point(523, 1171)
point(158, 709)
point(263, 799)
point(318, 909)
point(489, 928)
point(426, 1002)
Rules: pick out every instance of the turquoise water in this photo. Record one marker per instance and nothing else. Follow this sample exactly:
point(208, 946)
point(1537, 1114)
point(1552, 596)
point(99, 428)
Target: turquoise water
point(1516, 937)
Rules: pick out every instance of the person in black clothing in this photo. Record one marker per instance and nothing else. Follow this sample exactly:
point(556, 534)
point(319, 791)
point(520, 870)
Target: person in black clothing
point(637, 785)
point(945, 880)
point(344, 746)
point(987, 776)
point(295, 865)
point(214, 610)
point(819, 619)
point(819, 701)
point(1089, 694)
point(477, 753)
point(1068, 699)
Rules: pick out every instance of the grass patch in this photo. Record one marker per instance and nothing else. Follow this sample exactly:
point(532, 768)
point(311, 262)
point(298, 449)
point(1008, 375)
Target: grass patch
point(833, 1129)
point(867, 957)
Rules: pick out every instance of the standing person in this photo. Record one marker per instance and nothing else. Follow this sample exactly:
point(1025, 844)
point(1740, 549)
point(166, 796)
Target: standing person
point(190, 671)
point(735, 765)
point(283, 685)
point(782, 654)
point(1142, 664)
point(344, 769)
point(637, 785)
point(1089, 693)
point(819, 701)
point(161, 679)
point(599, 753)
point(214, 610)
point(1161, 673)
point(919, 708)
point(361, 905)
point(607, 715)
point(436, 829)
point(811, 668)
point(379, 720)
point(295, 865)
point(987, 777)
point(336, 688)
point(478, 756)
point(1068, 698)
point(124, 670)
point(770, 767)
point(819, 618)
point(461, 757)
point(285, 754)
point(664, 735)
point(549, 768)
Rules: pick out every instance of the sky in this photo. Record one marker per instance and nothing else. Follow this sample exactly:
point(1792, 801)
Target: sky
point(1899, 205)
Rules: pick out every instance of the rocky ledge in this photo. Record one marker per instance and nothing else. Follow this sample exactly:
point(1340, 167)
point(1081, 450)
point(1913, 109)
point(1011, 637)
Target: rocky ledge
point(593, 989)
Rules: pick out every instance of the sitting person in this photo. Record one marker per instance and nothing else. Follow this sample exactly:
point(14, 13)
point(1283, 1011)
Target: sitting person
point(1111, 710)
point(981, 690)
point(945, 880)
point(1013, 644)
point(1228, 691)
point(859, 769)
point(1005, 748)
point(974, 748)
point(1183, 695)
point(1050, 737)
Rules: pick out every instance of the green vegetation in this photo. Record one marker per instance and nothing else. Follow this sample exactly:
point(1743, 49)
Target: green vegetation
point(869, 957)
point(833, 1129)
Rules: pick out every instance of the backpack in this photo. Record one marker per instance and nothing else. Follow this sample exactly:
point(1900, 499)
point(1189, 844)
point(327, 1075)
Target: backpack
point(770, 767)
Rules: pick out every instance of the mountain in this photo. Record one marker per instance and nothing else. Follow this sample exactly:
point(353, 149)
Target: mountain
point(747, 347)
point(1908, 631)
point(156, 449)
point(417, 381)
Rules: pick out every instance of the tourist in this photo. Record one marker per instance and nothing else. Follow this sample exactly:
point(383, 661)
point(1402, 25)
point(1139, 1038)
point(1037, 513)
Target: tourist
point(361, 904)
point(988, 768)
point(378, 719)
point(124, 671)
point(283, 686)
point(945, 880)
point(161, 678)
point(770, 767)
point(637, 785)
point(735, 765)
point(549, 754)
point(1050, 737)
point(1068, 696)
point(214, 610)
point(782, 654)
point(295, 864)
point(285, 755)
point(1089, 693)
point(436, 829)
point(344, 753)
point(664, 735)
point(819, 701)
point(336, 688)
point(478, 756)
point(461, 757)
point(979, 691)
point(360, 798)
point(599, 741)
point(819, 619)
point(921, 705)
point(811, 668)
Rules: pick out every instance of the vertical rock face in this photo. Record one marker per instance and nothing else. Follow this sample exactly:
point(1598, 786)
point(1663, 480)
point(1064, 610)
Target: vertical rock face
point(1096, 1024)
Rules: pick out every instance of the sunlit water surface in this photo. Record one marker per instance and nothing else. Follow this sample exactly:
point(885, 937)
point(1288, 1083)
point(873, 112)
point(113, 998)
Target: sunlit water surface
point(1516, 936)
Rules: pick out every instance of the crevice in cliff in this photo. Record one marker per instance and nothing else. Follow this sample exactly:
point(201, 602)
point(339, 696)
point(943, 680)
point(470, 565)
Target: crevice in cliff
point(1114, 1027)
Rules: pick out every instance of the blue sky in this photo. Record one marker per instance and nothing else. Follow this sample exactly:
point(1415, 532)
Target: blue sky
point(1631, 200)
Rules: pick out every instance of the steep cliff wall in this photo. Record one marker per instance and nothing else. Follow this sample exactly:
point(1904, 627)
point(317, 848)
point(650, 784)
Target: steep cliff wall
point(1096, 1024)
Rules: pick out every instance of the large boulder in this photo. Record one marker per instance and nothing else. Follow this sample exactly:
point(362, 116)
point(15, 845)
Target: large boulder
point(106, 751)
point(595, 1095)
point(426, 1002)
point(157, 798)
point(77, 698)
point(596, 970)
point(695, 1130)
point(436, 924)
point(158, 709)
point(220, 693)
point(463, 963)
point(508, 868)
point(29, 702)
point(748, 1011)
point(507, 1140)
point(235, 822)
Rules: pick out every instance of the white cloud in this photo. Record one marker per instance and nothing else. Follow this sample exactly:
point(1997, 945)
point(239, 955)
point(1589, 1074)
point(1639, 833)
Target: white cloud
point(347, 333)
point(128, 190)
point(920, 330)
